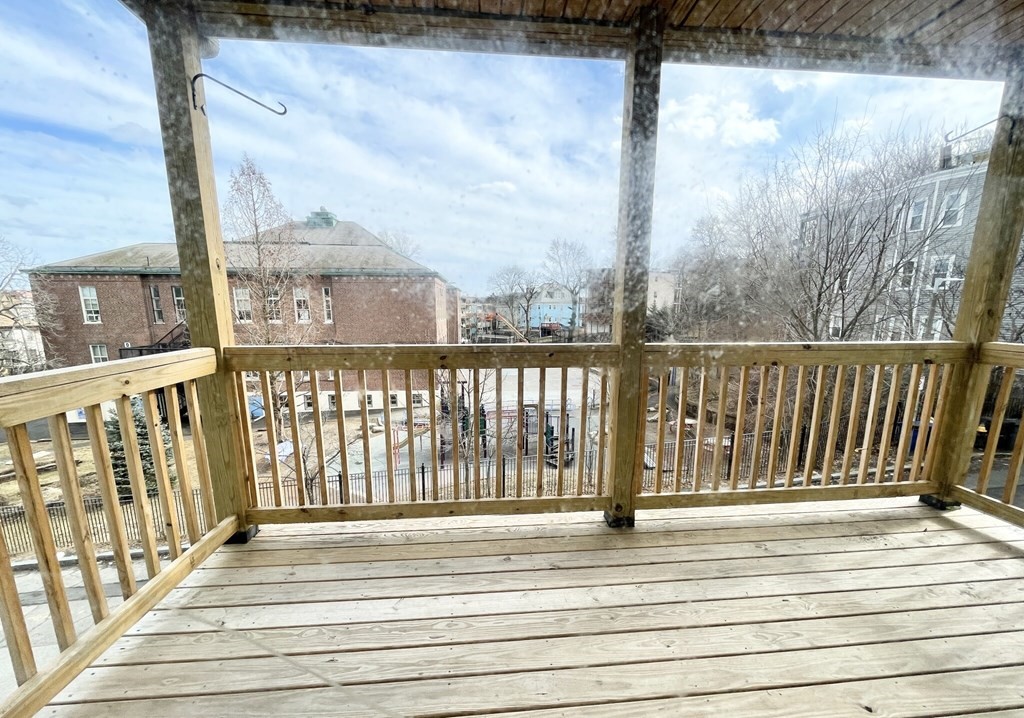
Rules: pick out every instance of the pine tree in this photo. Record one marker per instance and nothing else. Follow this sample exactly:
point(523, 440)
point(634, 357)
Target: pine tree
point(117, 456)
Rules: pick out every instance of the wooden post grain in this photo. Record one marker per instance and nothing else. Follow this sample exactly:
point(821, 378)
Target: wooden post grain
point(636, 203)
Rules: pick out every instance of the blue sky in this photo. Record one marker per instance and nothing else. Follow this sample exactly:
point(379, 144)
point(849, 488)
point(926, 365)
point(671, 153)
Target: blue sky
point(480, 159)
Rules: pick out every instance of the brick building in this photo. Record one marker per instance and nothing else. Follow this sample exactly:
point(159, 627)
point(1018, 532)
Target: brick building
point(345, 286)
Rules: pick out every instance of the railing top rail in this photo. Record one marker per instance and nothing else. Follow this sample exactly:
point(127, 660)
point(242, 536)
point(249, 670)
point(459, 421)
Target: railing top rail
point(418, 356)
point(33, 396)
point(1002, 354)
point(806, 353)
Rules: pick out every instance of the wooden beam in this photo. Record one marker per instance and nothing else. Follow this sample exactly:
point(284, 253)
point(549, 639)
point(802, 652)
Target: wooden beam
point(636, 203)
point(986, 286)
point(748, 497)
point(174, 46)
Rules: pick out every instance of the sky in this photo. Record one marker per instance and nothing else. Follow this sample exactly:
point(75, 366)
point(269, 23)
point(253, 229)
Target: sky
point(482, 160)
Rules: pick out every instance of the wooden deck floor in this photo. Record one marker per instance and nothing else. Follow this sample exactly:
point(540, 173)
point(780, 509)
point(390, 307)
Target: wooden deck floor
point(842, 609)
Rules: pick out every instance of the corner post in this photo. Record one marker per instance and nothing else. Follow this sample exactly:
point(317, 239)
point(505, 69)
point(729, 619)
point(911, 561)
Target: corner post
point(997, 237)
point(633, 250)
point(174, 47)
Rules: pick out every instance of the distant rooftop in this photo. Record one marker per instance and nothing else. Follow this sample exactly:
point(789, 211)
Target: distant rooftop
point(320, 244)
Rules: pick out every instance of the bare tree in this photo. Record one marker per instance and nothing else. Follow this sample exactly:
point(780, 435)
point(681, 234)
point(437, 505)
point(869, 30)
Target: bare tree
point(401, 243)
point(28, 316)
point(567, 263)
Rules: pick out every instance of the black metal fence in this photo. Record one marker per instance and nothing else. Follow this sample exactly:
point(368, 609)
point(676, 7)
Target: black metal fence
point(19, 540)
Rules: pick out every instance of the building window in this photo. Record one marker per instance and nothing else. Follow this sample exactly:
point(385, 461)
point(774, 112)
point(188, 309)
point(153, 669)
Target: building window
point(99, 353)
point(944, 273)
point(301, 305)
point(417, 399)
point(394, 400)
point(332, 402)
point(915, 217)
point(952, 213)
point(178, 296)
point(307, 401)
point(328, 306)
point(835, 328)
point(368, 400)
point(907, 274)
point(243, 305)
point(154, 303)
point(90, 305)
point(273, 305)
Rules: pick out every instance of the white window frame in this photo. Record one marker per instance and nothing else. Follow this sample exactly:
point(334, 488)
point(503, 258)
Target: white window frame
point(90, 305)
point(99, 354)
point(178, 299)
point(332, 401)
point(946, 207)
point(920, 217)
point(325, 292)
point(273, 306)
point(303, 314)
point(155, 304)
point(243, 305)
point(906, 279)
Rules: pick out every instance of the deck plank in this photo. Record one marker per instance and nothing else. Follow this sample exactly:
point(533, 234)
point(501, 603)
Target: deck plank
point(855, 608)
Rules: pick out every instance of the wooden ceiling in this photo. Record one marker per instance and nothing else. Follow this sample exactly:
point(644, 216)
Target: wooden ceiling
point(952, 38)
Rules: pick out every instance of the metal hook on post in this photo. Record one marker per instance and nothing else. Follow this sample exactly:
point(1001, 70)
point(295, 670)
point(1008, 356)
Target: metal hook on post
point(948, 138)
point(202, 108)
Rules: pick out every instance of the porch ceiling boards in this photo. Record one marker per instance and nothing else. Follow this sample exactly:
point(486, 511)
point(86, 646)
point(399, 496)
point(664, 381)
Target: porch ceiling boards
point(953, 38)
point(842, 609)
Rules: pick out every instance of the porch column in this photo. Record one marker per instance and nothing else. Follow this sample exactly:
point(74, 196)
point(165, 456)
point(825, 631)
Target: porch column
point(997, 237)
point(174, 46)
point(633, 251)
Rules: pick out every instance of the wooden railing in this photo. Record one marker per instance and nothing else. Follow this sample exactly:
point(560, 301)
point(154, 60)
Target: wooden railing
point(373, 431)
point(122, 397)
point(995, 486)
point(782, 422)
point(425, 431)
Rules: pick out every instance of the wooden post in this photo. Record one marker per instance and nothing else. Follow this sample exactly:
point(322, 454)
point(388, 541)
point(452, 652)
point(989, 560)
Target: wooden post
point(636, 202)
point(174, 47)
point(997, 236)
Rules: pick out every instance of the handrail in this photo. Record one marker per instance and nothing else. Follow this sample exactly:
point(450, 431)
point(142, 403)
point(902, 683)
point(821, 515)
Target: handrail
point(33, 396)
point(807, 353)
point(1002, 354)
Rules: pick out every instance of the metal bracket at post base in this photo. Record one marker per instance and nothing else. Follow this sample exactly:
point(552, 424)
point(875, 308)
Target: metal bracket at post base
point(938, 503)
point(245, 536)
point(619, 522)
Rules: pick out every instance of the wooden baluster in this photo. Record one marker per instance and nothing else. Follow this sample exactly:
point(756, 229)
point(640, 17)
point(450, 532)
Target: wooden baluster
point(885, 440)
point(12, 618)
point(581, 444)
point(520, 431)
point(77, 520)
point(762, 400)
point(563, 432)
point(195, 419)
point(853, 425)
point(410, 435)
point(796, 428)
point(248, 445)
point(318, 434)
point(698, 450)
point(137, 478)
point(838, 392)
point(435, 458)
point(781, 389)
point(270, 423)
point(872, 421)
point(684, 386)
point(453, 410)
point(499, 433)
point(945, 389)
point(995, 428)
point(165, 494)
point(909, 413)
point(389, 445)
point(474, 417)
point(339, 406)
point(541, 426)
point(719, 452)
point(364, 416)
point(816, 416)
point(924, 426)
point(737, 435)
point(602, 434)
point(1013, 468)
point(293, 423)
point(659, 447)
point(42, 534)
point(116, 533)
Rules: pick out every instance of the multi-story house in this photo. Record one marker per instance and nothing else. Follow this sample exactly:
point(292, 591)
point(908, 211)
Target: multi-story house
point(21, 343)
point(339, 284)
